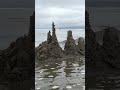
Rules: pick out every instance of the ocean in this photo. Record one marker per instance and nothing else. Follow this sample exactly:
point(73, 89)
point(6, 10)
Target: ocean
point(60, 75)
point(100, 18)
point(41, 34)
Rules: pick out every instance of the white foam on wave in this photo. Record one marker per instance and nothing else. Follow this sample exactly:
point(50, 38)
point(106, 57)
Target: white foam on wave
point(69, 87)
point(55, 87)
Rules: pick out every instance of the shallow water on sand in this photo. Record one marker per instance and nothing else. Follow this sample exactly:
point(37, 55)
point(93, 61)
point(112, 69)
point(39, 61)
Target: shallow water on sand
point(107, 81)
point(61, 75)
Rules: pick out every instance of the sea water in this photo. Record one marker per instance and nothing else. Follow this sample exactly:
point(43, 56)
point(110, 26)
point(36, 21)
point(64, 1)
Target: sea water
point(41, 34)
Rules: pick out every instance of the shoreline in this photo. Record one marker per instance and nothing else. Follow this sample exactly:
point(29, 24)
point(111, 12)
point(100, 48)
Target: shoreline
point(51, 60)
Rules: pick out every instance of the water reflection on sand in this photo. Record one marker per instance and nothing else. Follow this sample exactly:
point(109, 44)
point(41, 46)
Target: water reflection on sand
point(104, 81)
point(61, 75)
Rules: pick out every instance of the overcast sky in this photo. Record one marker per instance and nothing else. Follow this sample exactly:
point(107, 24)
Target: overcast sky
point(14, 20)
point(63, 13)
point(17, 3)
point(14, 23)
point(102, 3)
point(103, 13)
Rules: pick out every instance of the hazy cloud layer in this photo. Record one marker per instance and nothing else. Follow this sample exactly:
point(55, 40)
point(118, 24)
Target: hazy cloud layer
point(14, 23)
point(102, 3)
point(63, 13)
point(17, 3)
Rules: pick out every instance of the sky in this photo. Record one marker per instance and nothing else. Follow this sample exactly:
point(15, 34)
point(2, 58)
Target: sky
point(14, 23)
point(17, 3)
point(14, 20)
point(103, 13)
point(63, 13)
point(103, 3)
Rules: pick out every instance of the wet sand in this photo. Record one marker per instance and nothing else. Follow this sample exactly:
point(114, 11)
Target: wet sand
point(60, 74)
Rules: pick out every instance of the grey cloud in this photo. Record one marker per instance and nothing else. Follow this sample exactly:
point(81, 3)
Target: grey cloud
point(66, 13)
point(59, 3)
point(14, 23)
point(17, 4)
point(102, 3)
